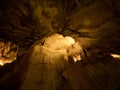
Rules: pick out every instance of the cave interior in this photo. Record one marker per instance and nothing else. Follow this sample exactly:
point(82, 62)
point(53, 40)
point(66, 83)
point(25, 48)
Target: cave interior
point(59, 44)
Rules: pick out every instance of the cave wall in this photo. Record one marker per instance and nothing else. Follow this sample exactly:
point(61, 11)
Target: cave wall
point(94, 23)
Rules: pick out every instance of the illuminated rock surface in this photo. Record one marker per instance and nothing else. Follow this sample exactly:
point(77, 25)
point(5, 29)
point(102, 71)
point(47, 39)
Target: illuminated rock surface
point(94, 24)
point(45, 70)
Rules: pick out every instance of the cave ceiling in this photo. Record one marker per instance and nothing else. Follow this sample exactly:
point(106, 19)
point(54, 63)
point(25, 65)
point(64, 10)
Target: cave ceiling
point(95, 23)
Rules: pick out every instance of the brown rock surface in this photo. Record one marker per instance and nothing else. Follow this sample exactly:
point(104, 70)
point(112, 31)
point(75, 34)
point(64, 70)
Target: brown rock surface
point(93, 23)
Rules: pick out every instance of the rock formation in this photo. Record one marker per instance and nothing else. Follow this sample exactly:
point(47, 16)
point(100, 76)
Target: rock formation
point(94, 24)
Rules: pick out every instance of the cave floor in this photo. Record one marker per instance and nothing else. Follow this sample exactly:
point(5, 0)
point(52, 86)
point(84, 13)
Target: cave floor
point(48, 70)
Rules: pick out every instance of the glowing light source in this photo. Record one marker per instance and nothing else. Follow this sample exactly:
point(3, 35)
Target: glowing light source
point(3, 62)
point(76, 58)
point(115, 55)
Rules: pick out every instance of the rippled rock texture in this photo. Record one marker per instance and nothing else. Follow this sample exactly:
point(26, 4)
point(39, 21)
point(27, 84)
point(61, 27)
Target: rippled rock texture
point(92, 23)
